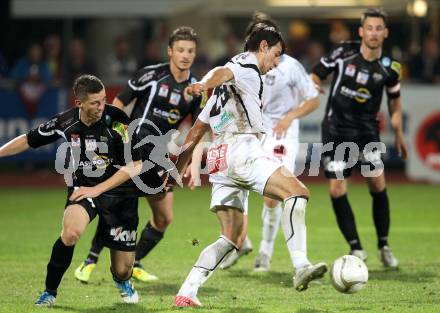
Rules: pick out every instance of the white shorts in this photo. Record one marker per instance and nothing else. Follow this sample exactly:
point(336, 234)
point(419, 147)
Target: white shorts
point(284, 149)
point(238, 164)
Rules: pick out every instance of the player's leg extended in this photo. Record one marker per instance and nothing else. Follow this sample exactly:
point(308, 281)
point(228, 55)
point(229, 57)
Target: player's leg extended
point(381, 217)
point(231, 221)
point(345, 217)
point(271, 217)
point(294, 195)
point(162, 208)
point(75, 222)
point(243, 243)
point(86, 268)
point(121, 269)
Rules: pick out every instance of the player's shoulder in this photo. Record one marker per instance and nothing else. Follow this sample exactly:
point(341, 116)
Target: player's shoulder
point(289, 62)
point(113, 114)
point(391, 65)
point(151, 72)
point(247, 62)
point(345, 49)
point(66, 118)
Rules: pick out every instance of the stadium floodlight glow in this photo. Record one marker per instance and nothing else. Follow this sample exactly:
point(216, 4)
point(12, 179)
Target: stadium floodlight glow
point(420, 8)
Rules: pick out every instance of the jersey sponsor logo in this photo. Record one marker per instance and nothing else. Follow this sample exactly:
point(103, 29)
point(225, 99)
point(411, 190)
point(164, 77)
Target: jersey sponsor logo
point(350, 70)
point(216, 158)
point(361, 95)
point(146, 77)
point(75, 140)
point(173, 116)
point(163, 90)
point(99, 161)
point(175, 98)
point(362, 78)
point(269, 80)
point(279, 151)
point(225, 119)
point(119, 234)
point(90, 144)
point(386, 61)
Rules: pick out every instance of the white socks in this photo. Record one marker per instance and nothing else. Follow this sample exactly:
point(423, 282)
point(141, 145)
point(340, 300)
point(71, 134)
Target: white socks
point(208, 261)
point(294, 228)
point(271, 222)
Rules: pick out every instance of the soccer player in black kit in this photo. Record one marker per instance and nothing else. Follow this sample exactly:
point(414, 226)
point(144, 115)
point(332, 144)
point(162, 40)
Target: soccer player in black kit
point(160, 106)
point(96, 135)
point(361, 72)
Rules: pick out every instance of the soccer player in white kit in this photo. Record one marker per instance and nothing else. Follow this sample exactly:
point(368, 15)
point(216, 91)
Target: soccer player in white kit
point(237, 163)
point(289, 94)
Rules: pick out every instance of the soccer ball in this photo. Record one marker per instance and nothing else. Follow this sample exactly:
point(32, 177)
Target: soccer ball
point(348, 274)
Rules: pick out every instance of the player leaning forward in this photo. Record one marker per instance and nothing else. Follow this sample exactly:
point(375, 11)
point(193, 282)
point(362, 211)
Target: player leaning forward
point(238, 163)
point(96, 136)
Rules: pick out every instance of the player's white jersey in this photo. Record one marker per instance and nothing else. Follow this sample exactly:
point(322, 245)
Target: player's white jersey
point(285, 88)
point(236, 106)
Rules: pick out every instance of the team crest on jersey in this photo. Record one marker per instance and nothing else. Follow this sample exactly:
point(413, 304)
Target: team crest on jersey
point(163, 90)
point(386, 61)
point(75, 140)
point(175, 98)
point(90, 144)
point(362, 78)
point(269, 80)
point(350, 70)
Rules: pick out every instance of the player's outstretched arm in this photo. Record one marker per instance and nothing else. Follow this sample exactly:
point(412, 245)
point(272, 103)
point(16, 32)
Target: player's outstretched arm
point(121, 176)
point(15, 146)
point(192, 139)
point(212, 79)
point(395, 109)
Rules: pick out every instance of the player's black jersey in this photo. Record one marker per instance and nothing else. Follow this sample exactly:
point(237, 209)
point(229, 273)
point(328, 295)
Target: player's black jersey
point(356, 90)
point(94, 151)
point(159, 99)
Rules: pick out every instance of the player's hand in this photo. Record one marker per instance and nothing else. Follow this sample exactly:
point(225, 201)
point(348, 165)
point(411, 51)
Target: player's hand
point(320, 89)
point(281, 128)
point(194, 89)
point(402, 150)
point(194, 180)
point(84, 193)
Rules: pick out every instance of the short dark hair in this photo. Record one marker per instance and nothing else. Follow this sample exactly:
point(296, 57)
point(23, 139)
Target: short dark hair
point(260, 17)
point(260, 32)
point(85, 85)
point(183, 33)
point(374, 13)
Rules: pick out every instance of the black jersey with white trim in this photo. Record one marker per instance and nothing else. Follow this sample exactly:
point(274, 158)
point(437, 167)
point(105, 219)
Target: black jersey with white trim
point(357, 89)
point(93, 152)
point(159, 99)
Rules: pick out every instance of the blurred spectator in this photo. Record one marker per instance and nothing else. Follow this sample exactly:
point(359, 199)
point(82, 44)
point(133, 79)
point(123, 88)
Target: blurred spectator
point(425, 66)
point(338, 32)
point(230, 43)
point(299, 33)
point(151, 54)
point(315, 51)
point(3, 66)
point(52, 49)
point(121, 64)
point(77, 63)
point(32, 67)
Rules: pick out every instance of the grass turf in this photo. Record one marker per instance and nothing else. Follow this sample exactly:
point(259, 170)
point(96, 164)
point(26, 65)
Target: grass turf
point(30, 221)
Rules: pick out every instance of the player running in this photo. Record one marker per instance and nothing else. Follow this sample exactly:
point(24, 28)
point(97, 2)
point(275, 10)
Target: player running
point(237, 163)
point(96, 134)
point(361, 72)
point(160, 107)
point(289, 94)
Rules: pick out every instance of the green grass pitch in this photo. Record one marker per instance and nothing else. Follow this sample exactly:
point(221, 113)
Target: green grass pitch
point(30, 221)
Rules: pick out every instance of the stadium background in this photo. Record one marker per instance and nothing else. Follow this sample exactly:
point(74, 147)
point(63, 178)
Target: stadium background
point(112, 38)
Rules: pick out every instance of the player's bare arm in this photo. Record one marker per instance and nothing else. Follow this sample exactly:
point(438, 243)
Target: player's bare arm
point(318, 82)
point(395, 109)
point(121, 176)
point(15, 146)
point(303, 109)
point(192, 139)
point(118, 103)
point(212, 79)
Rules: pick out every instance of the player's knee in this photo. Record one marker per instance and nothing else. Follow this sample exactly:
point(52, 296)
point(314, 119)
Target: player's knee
point(162, 222)
point(337, 191)
point(270, 203)
point(122, 270)
point(70, 236)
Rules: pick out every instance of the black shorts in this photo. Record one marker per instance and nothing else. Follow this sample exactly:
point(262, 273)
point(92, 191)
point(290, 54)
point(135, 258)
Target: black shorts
point(118, 219)
point(348, 152)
